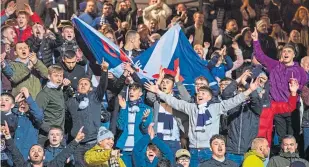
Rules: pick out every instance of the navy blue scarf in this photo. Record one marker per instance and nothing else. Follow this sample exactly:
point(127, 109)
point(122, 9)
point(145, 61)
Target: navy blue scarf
point(203, 119)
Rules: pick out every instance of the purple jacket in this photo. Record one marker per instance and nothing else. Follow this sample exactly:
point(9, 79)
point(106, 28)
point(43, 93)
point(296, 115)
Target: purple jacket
point(279, 74)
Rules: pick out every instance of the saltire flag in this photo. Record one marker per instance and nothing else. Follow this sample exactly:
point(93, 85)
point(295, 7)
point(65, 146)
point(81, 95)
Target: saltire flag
point(171, 51)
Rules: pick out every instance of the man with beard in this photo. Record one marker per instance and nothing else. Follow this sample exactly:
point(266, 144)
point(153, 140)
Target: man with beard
point(267, 43)
point(125, 12)
point(231, 30)
point(107, 18)
point(288, 153)
point(37, 153)
point(217, 146)
point(89, 13)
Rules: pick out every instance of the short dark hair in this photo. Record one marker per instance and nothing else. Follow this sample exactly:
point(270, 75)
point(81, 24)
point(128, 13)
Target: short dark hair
point(10, 96)
point(206, 89)
point(135, 85)
point(217, 136)
point(164, 163)
point(169, 77)
point(37, 145)
point(107, 4)
point(228, 22)
point(226, 79)
point(20, 43)
point(289, 137)
point(69, 54)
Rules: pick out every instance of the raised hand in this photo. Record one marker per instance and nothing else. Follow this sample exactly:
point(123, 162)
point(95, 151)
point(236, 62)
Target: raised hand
point(33, 58)
point(151, 131)
point(122, 102)
point(254, 85)
point(55, 23)
point(28, 9)
point(161, 76)
point(222, 52)
point(255, 35)
point(206, 45)
point(6, 131)
point(19, 98)
point(127, 66)
point(110, 76)
point(66, 82)
point(235, 46)
point(2, 59)
point(11, 8)
point(191, 38)
point(152, 88)
point(25, 92)
point(177, 76)
point(115, 153)
point(294, 86)
point(104, 66)
point(146, 114)
point(80, 135)
point(245, 76)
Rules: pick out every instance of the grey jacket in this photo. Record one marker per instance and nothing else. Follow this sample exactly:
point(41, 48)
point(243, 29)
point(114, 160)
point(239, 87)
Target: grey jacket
point(181, 118)
point(285, 159)
point(201, 139)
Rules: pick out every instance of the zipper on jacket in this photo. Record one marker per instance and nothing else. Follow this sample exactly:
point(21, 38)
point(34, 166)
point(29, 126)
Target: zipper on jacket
point(240, 127)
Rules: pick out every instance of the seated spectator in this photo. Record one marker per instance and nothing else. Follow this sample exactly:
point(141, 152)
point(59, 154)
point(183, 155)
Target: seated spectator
point(300, 23)
point(205, 121)
point(158, 10)
point(199, 32)
point(103, 153)
point(182, 157)
point(85, 110)
point(132, 44)
point(37, 153)
point(55, 137)
point(258, 153)
point(107, 17)
point(23, 30)
point(51, 100)
point(89, 14)
point(43, 42)
point(217, 146)
point(288, 154)
point(29, 118)
point(133, 119)
point(155, 150)
point(27, 71)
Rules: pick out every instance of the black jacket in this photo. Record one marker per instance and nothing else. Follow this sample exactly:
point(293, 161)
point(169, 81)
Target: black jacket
point(214, 163)
point(44, 48)
point(268, 46)
point(191, 31)
point(305, 97)
point(90, 117)
point(59, 160)
point(273, 12)
point(243, 121)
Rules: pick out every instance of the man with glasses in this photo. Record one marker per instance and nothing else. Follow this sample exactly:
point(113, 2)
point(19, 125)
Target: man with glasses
point(183, 157)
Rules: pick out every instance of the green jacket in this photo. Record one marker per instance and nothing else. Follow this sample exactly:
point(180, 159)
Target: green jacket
point(98, 157)
point(285, 159)
point(51, 100)
point(23, 77)
point(253, 159)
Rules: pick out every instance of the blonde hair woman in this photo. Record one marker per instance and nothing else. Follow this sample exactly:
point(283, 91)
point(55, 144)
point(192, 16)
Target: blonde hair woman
point(300, 23)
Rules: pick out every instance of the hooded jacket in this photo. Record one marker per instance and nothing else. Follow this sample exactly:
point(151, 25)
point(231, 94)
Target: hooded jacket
point(253, 159)
point(243, 121)
point(285, 159)
point(280, 74)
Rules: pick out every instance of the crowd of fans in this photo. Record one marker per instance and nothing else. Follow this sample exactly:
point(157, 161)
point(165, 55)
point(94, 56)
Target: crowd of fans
point(59, 107)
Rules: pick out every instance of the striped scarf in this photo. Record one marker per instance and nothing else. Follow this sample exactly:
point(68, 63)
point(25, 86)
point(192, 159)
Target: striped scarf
point(203, 118)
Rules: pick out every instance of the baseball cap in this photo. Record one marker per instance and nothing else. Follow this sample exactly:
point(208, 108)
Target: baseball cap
point(182, 152)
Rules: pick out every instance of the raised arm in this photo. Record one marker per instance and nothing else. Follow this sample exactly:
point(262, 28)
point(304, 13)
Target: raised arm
point(35, 110)
point(139, 155)
point(167, 12)
point(20, 72)
point(229, 63)
point(100, 91)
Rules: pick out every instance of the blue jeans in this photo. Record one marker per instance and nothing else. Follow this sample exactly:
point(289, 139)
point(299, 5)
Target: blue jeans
point(127, 158)
point(237, 158)
point(306, 141)
point(199, 155)
point(173, 145)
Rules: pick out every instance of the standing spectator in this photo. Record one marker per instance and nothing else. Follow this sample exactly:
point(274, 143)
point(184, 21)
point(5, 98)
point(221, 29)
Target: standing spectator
point(23, 30)
point(305, 119)
point(30, 117)
point(199, 32)
point(281, 72)
point(107, 18)
point(48, 10)
point(227, 38)
point(144, 33)
point(155, 150)
point(51, 100)
point(182, 157)
point(126, 13)
point(288, 13)
point(69, 42)
point(248, 15)
point(89, 14)
point(55, 137)
point(280, 36)
point(300, 23)
point(43, 42)
point(27, 71)
point(103, 153)
point(184, 14)
point(267, 43)
point(256, 156)
point(288, 153)
point(301, 50)
point(134, 118)
point(154, 27)
point(85, 110)
point(268, 9)
point(158, 10)
point(132, 44)
point(217, 146)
